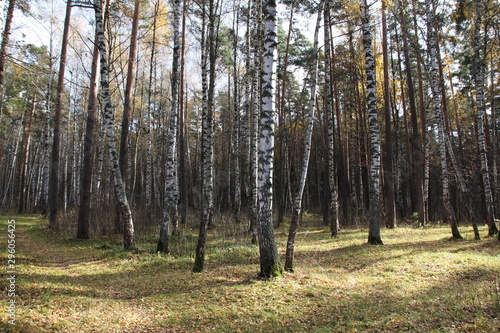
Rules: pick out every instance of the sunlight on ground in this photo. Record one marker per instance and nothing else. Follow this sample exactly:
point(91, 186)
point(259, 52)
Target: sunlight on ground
point(419, 281)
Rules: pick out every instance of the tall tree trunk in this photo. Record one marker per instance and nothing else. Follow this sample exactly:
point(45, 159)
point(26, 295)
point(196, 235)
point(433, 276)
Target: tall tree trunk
point(424, 139)
point(417, 168)
point(281, 195)
point(434, 72)
point(389, 197)
point(269, 258)
point(236, 122)
point(170, 211)
point(479, 64)
point(208, 50)
point(119, 186)
point(88, 155)
point(247, 109)
point(149, 143)
point(256, 114)
point(56, 140)
point(127, 105)
point(183, 184)
point(331, 93)
point(371, 102)
point(297, 201)
point(3, 47)
point(23, 158)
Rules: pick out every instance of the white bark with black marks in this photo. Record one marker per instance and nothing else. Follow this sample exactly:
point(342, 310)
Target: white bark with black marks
point(109, 117)
point(170, 209)
point(297, 201)
point(479, 64)
point(374, 149)
point(434, 72)
point(269, 258)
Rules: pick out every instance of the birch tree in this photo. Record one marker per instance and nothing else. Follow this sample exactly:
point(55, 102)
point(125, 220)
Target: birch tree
point(479, 68)
point(434, 72)
point(109, 117)
point(374, 155)
point(297, 202)
point(270, 265)
point(170, 210)
point(256, 69)
point(330, 92)
point(208, 59)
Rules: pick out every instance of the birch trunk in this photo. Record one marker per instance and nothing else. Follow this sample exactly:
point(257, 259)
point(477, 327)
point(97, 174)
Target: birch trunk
point(149, 143)
point(170, 211)
point(208, 58)
point(479, 64)
point(374, 155)
point(434, 72)
point(126, 214)
point(333, 206)
point(270, 265)
point(247, 108)
point(256, 96)
point(297, 202)
point(236, 122)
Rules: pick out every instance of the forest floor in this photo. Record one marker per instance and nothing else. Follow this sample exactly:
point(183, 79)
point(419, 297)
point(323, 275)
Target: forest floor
point(418, 281)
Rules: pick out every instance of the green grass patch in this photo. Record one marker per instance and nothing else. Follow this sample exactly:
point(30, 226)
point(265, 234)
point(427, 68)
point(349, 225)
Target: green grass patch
point(419, 281)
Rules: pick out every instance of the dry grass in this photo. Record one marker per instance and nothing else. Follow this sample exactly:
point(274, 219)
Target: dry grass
point(419, 281)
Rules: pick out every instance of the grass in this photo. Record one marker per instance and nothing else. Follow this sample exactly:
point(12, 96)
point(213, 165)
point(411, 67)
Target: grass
point(419, 281)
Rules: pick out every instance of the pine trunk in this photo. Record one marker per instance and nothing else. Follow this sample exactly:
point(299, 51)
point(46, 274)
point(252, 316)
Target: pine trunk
point(23, 159)
point(56, 140)
point(127, 105)
point(88, 156)
point(389, 196)
point(5, 42)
